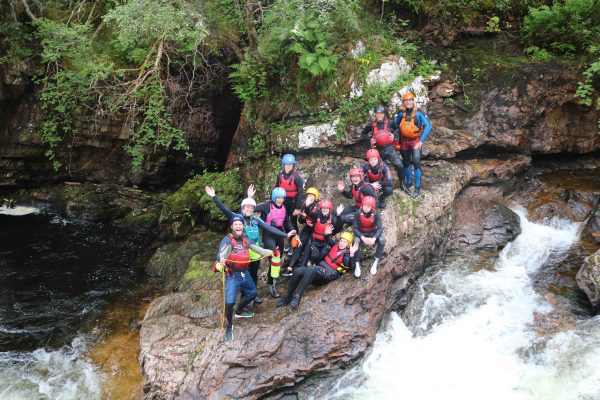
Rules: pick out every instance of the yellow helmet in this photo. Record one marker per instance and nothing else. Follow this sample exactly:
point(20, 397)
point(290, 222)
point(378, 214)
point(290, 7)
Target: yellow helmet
point(314, 192)
point(348, 236)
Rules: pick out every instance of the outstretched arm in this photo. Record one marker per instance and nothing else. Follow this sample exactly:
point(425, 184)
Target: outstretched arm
point(228, 213)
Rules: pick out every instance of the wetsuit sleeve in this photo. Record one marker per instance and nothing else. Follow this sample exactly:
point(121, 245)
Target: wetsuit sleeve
point(228, 213)
point(366, 130)
point(277, 180)
point(387, 177)
point(379, 224)
point(330, 241)
point(300, 196)
point(348, 260)
point(368, 190)
point(424, 122)
point(224, 248)
point(357, 233)
point(263, 209)
point(337, 223)
point(287, 223)
point(313, 213)
point(271, 229)
point(347, 194)
point(398, 118)
point(257, 249)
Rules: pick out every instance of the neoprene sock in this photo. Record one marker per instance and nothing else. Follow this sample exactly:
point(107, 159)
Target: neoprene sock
point(418, 173)
point(408, 171)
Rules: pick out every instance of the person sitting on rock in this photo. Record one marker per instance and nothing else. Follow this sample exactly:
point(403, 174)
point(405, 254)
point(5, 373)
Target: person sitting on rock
point(233, 259)
point(312, 196)
point(358, 190)
point(336, 263)
point(378, 175)
point(382, 132)
point(414, 129)
point(274, 214)
point(368, 228)
point(325, 224)
point(293, 184)
point(252, 227)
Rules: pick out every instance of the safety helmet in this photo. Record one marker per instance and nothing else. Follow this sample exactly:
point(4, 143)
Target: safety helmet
point(408, 95)
point(369, 201)
point(372, 153)
point(356, 171)
point(248, 201)
point(277, 192)
point(380, 108)
point(348, 236)
point(288, 159)
point(235, 218)
point(325, 203)
point(314, 192)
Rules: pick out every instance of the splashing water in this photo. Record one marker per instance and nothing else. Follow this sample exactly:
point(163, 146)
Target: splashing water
point(473, 336)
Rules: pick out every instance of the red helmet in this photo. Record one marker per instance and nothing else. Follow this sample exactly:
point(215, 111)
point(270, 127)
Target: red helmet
point(372, 153)
point(369, 201)
point(356, 171)
point(324, 203)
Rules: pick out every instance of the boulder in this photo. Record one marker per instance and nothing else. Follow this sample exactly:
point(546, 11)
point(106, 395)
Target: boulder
point(588, 278)
point(592, 228)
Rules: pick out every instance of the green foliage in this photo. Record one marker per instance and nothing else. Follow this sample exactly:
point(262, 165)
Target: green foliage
point(250, 80)
point(493, 24)
point(14, 41)
point(537, 53)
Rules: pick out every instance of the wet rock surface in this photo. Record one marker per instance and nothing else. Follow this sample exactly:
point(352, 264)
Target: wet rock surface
point(592, 228)
point(588, 279)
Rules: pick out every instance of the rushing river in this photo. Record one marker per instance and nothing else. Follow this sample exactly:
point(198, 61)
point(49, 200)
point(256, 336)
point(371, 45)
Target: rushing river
point(57, 278)
point(476, 328)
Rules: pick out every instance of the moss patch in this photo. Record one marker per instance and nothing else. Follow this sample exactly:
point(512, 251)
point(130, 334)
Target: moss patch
point(199, 270)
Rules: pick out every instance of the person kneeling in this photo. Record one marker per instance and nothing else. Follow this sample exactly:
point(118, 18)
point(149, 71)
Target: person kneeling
point(336, 263)
point(367, 228)
point(234, 258)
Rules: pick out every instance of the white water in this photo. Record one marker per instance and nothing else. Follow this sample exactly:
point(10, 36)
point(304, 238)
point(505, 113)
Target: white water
point(18, 210)
point(63, 374)
point(478, 338)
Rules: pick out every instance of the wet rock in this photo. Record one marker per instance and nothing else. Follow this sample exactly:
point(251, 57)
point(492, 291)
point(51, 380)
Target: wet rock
point(482, 224)
point(388, 72)
point(183, 355)
point(588, 279)
point(592, 228)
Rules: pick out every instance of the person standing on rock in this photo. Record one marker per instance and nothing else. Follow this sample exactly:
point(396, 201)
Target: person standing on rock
point(336, 263)
point(368, 229)
point(233, 259)
point(382, 132)
point(293, 184)
point(414, 129)
point(252, 227)
point(378, 175)
point(358, 190)
point(310, 205)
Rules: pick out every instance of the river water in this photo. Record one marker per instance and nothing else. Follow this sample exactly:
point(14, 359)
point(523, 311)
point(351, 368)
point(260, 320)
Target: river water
point(57, 277)
point(480, 327)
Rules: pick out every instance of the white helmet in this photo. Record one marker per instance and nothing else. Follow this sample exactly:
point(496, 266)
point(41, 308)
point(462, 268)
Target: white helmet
point(248, 201)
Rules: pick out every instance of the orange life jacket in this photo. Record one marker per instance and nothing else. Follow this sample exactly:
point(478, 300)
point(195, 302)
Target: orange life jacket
point(408, 124)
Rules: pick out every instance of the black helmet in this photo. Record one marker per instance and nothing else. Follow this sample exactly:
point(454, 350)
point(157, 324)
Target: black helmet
point(380, 108)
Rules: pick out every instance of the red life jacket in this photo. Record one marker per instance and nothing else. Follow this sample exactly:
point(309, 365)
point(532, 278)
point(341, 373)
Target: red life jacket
point(335, 259)
point(408, 124)
point(239, 257)
point(357, 193)
point(377, 176)
point(277, 215)
point(366, 224)
point(319, 230)
point(291, 190)
point(382, 137)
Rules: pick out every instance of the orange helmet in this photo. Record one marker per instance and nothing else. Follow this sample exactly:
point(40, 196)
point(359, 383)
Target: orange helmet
point(408, 95)
point(372, 153)
point(369, 201)
point(356, 171)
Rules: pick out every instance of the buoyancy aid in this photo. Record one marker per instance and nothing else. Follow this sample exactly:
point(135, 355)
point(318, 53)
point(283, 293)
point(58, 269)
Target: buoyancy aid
point(357, 193)
point(319, 230)
point(240, 256)
point(291, 190)
point(378, 175)
point(335, 259)
point(408, 124)
point(252, 232)
point(382, 137)
point(276, 215)
point(366, 224)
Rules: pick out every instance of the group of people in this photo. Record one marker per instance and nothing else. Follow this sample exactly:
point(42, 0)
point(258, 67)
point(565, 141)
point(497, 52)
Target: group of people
point(313, 254)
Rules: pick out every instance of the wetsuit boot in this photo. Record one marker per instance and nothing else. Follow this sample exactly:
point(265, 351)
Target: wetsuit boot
point(295, 303)
point(228, 336)
point(273, 291)
point(374, 266)
point(416, 193)
point(357, 270)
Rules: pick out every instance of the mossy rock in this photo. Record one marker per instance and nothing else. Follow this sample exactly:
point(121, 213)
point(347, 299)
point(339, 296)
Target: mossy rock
point(200, 275)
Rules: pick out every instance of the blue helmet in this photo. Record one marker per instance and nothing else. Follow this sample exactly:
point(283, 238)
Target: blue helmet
point(288, 159)
point(235, 218)
point(277, 192)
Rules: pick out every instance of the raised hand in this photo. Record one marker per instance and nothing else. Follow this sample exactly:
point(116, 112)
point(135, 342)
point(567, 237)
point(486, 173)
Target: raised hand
point(296, 213)
point(339, 209)
point(210, 191)
point(329, 229)
point(340, 186)
point(354, 248)
point(251, 191)
point(376, 185)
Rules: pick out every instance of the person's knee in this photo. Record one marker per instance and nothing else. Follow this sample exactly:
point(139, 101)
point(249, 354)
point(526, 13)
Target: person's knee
point(381, 240)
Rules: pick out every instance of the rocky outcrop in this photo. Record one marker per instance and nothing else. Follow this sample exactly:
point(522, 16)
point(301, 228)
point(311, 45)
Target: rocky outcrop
point(592, 228)
point(183, 355)
point(588, 279)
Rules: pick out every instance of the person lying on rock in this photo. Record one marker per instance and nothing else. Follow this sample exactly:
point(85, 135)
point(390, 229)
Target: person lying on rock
point(414, 128)
point(252, 227)
point(358, 190)
point(293, 184)
point(382, 132)
point(233, 259)
point(368, 229)
point(378, 175)
point(325, 225)
point(310, 203)
point(337, 262)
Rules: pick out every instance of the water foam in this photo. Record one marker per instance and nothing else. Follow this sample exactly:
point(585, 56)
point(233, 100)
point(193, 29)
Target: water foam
point(480, 349)
point(18, 210)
